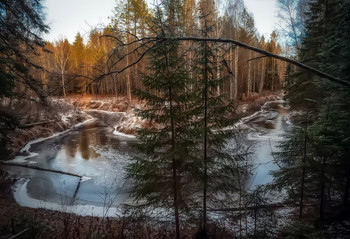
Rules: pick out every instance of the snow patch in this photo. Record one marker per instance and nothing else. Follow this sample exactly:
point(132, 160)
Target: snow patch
point(25, 150)
point(105, 111)
point(22, 197)
point(85, 178)
point(115, 132)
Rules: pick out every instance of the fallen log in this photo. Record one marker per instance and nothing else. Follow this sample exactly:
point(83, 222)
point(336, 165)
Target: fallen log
point(266, 206)
point(35, 124)
point(38, 168)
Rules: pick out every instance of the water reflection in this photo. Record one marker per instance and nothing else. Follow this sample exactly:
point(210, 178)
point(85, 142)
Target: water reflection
point(85, 140)
point(268, 127)
point(94, 153)
point(101, 157)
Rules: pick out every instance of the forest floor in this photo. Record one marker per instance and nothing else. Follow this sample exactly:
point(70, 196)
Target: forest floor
point(69, 112)
point(44, 223)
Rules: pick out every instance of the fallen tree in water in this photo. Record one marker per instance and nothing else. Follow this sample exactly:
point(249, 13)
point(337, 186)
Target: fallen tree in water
point(38, 168)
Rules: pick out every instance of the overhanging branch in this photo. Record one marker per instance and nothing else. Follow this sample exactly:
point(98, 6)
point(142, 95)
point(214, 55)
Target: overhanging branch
point(255, 49)
point(256, 58)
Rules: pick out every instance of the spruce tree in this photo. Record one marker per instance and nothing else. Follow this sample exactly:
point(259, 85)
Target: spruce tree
point(163, 169)
point(296, 158)
point(21, 23)
point(220, 166)
point(331, 128)
point(327, 170)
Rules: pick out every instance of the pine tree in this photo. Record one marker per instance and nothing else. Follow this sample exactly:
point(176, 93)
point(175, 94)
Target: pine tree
point(21, 23)
point(164, 167)
point(79, 56)
point(219, 165)
point(297, 175)
point(327, 168)
point(331, 128)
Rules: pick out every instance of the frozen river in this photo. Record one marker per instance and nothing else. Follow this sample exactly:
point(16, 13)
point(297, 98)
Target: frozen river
point(99, 155)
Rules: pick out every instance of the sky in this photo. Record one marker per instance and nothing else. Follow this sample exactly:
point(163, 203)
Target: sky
point(264, 13)
point(67, 17)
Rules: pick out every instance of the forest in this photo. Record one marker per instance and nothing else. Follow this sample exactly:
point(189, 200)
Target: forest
point(171, 97)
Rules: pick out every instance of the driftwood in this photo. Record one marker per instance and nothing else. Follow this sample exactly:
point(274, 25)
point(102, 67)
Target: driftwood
point(38, 168)
point(35, 124)
point(19, 234)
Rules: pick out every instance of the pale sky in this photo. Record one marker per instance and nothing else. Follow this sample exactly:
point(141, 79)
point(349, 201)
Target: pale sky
point(264, 13)
point(67, 17)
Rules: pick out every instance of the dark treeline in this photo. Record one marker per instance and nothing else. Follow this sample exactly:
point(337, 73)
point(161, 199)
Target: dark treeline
point(315, 156)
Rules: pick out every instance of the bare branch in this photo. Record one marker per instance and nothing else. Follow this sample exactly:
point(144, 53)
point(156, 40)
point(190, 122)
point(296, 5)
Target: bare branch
point(266, 53)
point(256, 58)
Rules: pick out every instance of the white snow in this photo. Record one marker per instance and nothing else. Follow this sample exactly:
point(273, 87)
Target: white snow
point(115, 132)
point(105, 111)
point(21, 196)
point(25, 149)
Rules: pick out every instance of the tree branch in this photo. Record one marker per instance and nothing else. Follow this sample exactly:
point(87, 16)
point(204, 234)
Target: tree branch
point(256, 58)
point(255, 49)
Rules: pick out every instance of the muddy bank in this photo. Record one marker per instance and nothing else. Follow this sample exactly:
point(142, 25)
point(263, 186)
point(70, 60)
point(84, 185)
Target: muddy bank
point(61, 114)
point(38, 120)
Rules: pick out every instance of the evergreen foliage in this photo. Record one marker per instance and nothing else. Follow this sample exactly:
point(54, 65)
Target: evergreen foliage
point(21, 23)
point(163, 170)
point(326, 161)
point(183, 159)
point(219, 166)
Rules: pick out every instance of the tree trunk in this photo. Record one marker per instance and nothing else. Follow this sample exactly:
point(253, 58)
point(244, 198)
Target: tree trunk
point(249, 79)
point(262, 76)
point(323, 172)
point(322, 187)
point(346, 192)
point(174, 161)
point(205, 176)
point(115, 86)
point(235, 89)
point(63, 84)
point(303, 169)
point(128, 83)
point(232, 77)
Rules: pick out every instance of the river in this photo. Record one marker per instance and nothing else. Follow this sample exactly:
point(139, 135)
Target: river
point(99, 154)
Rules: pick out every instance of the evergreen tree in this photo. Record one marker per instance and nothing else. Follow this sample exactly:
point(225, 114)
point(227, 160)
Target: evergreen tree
point(21, 23)
point(164, 167)
point(297, 175)
point(327, 149)
point(220, 166)
point(79, 56)
point(331, 128)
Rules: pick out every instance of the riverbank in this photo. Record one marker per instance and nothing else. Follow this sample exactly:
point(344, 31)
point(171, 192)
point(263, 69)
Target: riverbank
point(43, 223)
point(245, 108)
point(61, 114)
point(37, 120)
point(131, 122)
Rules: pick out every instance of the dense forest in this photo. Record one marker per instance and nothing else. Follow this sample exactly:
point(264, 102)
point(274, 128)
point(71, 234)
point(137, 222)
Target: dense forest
point(189, 64)
point(77, 68)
